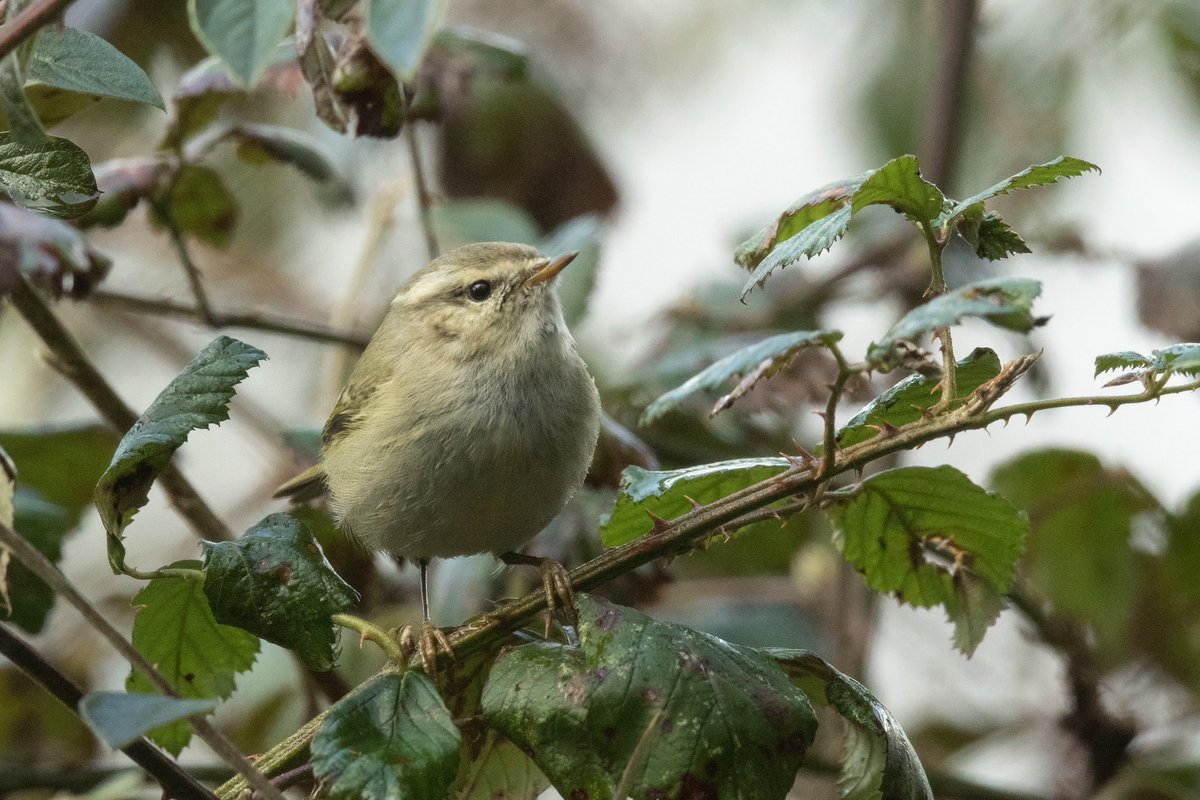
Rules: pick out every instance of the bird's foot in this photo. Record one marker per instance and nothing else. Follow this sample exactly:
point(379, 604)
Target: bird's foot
point(427, 646)
point(556, 583)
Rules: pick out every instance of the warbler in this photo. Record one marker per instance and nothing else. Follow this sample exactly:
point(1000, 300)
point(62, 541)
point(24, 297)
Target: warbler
point(469, 420)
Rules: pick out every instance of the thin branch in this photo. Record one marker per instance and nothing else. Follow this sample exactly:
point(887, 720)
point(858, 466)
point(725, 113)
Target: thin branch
point(423, 197)
point(70, 360)
point(943, 138)
point(41, 566)
point(174, 780)
point(683, 533)
point(195, 279)
point(368, 631)
point(261, 322)
point(40, 13)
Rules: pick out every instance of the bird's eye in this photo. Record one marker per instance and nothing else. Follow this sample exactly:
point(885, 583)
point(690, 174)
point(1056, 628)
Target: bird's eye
point(479, 291)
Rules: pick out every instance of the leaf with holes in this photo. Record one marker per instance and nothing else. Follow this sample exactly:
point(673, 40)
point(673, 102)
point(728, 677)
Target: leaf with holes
point(1004, 302)
point(54, 177)
point(930, 536)
point(809, 209)
point(176, 632)
point(276, 583)
point(391, 737)
point(400, 31)
point(666, 494)
point(243, 35)
point(82, 62)
point(751, 363)
point(878, 761)
point(197, 398)
point(904, 402)
point(120, 718)
point(899, 184)
point(1037, 175)
point(649, 709)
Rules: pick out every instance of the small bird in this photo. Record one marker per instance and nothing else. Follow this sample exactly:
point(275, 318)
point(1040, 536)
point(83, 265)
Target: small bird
point(467, 423)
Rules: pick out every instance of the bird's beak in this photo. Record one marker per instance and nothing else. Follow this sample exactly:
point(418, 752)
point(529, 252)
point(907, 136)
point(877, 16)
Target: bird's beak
point(548, 272)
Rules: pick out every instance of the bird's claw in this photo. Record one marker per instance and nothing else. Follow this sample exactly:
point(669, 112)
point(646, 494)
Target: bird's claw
point(427, 646)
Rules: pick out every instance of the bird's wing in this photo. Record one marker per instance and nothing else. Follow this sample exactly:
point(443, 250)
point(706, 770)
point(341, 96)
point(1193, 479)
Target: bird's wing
point(305, 486)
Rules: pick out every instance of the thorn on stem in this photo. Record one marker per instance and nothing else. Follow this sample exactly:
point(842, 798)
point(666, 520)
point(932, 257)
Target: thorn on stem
point(658, 523)
point(695, 504)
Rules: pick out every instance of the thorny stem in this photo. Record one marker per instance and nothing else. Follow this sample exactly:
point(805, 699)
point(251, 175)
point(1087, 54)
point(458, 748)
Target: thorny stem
point(689, 530)
point(368, 631)
point(40, 566)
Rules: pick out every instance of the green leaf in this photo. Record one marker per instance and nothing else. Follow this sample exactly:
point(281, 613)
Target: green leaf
point(1005, 302)
point(24, 126)
point(197, 398)
point(400, 31)
point(120, 719)
point(1082, 516)
point(52, 254)
point(1037, 175)
point(198, 203)
point(810, 242)
point(390, 738)
point(78, 61)
point(655, 709)
point(176, 632)
point(992, 238)
point(665, 494)
point(810, 208)
point(751, 364)
point(930, 536)
point(904, 402)
point(272, 143)
point(54, 177)
point(276, 583)
point(1183, 359)
point(878, 761)
point(243, 35)
point(499, 771)
point(46, 526)
point(899, 184)
point(62, 462)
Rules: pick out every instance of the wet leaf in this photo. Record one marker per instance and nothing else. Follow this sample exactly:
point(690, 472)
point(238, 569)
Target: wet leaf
point(652, 709)
point(197, 398)
point(243, 35)
point(276, 583)
point(392, 737)
point(54, 177)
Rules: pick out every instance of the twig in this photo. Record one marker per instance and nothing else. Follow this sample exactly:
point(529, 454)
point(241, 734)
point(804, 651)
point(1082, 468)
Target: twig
point(423, 197)
point(40, 566)
point(195, 279)
point(368, 631)
point(262, 322)
point(40, 13)
point(687, 531)
point(70, 360)
point(175, 781)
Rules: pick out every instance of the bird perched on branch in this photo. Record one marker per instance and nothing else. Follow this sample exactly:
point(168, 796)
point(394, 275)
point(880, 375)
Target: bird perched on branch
point(467, 424)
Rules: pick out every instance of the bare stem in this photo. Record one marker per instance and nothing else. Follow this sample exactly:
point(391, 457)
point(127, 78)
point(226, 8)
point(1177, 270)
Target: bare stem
point(39, 565)
point(70, 360)
point(17, 30)
point(938, 286)
point(195, 279)
point(423, 197)
point(261, 322)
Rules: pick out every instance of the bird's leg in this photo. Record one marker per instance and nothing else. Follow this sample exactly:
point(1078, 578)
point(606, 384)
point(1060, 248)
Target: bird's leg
point(556, 582)
point(431, 640)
